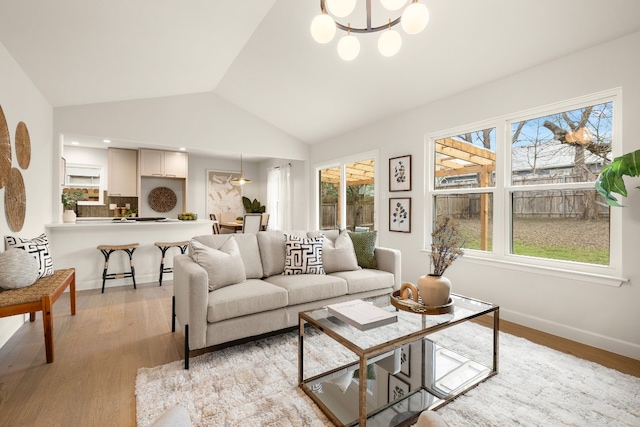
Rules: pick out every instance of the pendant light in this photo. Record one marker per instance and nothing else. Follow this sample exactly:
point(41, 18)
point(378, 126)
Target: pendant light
point(241, 180)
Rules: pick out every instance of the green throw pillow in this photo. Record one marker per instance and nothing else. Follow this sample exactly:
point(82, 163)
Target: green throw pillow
point(364, 243)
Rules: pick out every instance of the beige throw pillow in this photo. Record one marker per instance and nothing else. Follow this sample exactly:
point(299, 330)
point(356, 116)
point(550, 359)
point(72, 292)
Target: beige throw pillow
point(224, 266)
point(339, 255)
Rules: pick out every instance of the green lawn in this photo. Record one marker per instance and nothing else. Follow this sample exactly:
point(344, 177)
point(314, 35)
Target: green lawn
point(561, 239)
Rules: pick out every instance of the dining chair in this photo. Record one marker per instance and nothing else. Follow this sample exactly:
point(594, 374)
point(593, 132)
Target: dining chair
point(216, 223)
point(227, 217)
point(251, 223)
point(265, 222)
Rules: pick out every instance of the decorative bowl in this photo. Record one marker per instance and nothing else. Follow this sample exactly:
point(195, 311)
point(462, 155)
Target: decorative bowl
point(187, 216)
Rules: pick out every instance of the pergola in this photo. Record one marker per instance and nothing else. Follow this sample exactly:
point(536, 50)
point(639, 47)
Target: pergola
point(456, 158)
point(357, 173)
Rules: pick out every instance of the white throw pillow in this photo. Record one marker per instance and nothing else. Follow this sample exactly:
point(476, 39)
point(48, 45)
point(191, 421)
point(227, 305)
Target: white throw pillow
point(38, 247)
point(303, 255)
point(224, 266)
point(18, 269)
point(339, 255)
point(342, 378)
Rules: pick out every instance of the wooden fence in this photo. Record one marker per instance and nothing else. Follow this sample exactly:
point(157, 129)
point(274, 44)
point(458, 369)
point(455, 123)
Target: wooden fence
point(357, 215)
point(537, 204)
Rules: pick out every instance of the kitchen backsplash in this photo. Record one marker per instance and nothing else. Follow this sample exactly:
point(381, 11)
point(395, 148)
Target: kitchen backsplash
point(103, 210)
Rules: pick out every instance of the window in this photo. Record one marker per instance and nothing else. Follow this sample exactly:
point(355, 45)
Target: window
point(522, 188)
point(463, 165)
point(346, 194)
point(279, 197)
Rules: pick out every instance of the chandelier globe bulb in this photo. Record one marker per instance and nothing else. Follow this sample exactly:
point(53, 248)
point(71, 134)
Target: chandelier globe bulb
point(415, 18)
point(389, 43)
point(341, 8)
point(348, 47)
point(323, 28)
point(393, 4)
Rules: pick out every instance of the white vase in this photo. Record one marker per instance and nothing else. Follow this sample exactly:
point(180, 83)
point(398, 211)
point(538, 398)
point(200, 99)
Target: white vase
point(68, 216)
point(434, 290)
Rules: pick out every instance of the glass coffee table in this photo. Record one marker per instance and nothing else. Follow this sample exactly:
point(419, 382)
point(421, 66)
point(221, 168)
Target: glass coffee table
point(387, 375)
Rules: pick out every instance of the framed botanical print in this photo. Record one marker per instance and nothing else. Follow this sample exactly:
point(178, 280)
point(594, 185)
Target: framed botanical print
point(400, 173)
point(405, 360)
point(400, 214)
point(397, 389)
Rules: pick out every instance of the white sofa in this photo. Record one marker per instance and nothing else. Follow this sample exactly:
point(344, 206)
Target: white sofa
point(267, 300)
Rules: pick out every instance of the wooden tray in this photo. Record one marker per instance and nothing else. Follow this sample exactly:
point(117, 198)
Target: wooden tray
point(419, 308)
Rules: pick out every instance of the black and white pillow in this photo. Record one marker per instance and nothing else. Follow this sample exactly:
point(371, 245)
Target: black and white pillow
point(38, 247)
point(303, 255)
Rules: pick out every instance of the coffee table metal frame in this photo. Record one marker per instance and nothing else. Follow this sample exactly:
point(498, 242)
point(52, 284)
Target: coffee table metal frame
point(314, 317)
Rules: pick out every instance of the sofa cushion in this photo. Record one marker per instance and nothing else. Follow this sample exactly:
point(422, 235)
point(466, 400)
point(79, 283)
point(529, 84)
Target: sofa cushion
point(338, 254)
point(364, 243)
point(248, 245)
point(249, 297)
point(303, 255)
point(224, 266)
point(272, 249)
point(365, 280)
point(304, 288)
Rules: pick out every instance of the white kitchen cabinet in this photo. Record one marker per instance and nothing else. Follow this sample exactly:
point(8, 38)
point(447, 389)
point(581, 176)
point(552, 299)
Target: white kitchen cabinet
point(175, 164)
point(158, 163)
point(123, 172)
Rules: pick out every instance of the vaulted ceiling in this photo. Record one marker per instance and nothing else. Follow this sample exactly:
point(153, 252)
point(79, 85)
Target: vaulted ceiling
point(259, 54)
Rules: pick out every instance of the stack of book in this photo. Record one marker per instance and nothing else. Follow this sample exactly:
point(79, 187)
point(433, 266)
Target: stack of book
point(361, 314)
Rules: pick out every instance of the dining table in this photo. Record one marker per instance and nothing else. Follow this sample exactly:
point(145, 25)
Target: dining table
point(231, 225)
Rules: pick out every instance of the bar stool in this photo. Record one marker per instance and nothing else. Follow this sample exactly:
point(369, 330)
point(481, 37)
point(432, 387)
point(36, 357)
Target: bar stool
point(164, 246)
point(107, 250)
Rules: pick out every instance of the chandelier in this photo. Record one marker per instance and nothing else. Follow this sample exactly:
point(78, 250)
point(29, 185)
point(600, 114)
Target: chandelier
point(342, 13)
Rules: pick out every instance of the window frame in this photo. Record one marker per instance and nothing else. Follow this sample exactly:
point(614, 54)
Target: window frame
point(342, 162)
point(501, 256)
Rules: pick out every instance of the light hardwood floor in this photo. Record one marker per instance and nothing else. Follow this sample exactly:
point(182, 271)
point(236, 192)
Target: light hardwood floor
point(98, 352)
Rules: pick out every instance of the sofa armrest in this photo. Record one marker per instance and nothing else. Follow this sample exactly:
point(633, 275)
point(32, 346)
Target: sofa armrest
point(389, 260)
point(191, 292)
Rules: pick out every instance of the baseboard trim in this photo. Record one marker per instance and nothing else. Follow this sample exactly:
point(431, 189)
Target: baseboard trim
point(603, 342)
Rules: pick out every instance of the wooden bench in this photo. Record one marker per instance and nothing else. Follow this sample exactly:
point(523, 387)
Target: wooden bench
point(40, 297)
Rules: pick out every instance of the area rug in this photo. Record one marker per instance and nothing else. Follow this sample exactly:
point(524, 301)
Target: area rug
point(255, 384)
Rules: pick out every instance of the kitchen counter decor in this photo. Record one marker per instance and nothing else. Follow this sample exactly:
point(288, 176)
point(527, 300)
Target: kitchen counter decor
point(162, 199)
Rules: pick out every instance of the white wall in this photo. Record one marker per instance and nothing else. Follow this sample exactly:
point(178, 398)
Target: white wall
point(202, 121)
point(602, 316)
point(21, 101)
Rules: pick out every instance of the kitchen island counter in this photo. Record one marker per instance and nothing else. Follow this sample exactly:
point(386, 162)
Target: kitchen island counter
point(75, 245)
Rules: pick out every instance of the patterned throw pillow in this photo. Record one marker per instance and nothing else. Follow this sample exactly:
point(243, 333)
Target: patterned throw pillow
point(364, 243)
point(303, 255)
point(38, 247)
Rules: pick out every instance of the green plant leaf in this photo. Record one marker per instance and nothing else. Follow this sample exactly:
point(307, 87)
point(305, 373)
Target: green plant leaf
point(611, 179)
point(252, 206)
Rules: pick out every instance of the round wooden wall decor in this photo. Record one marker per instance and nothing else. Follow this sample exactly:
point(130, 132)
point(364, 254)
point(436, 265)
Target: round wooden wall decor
point(5, 150)
point(162, 199)
point(15, 200)
point(23, 145)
